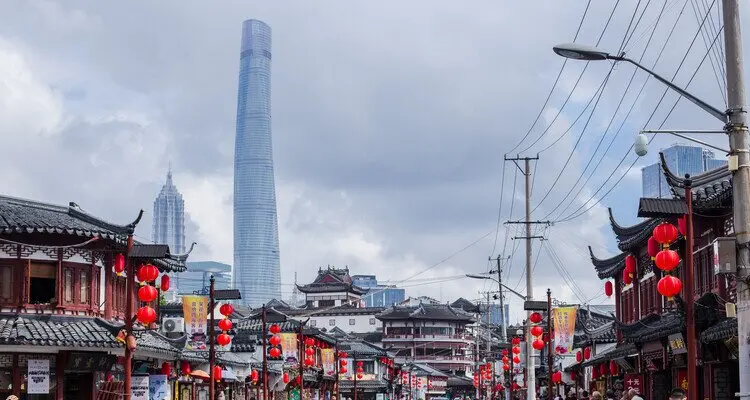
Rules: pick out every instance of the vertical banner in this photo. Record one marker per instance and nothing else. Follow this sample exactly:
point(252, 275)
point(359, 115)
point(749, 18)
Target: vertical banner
point(289, 347)
point(195, 310)
point(159, 388)
point(38, 377)
point(564, 319)
point(328, 361)
point(139, 387)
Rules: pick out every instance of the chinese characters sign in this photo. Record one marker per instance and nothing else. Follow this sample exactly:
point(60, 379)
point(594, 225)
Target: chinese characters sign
point(677, 344)
point(38, 377)
point(195, 311)
point(289, 347)
point(564, 319)
point(633, 381)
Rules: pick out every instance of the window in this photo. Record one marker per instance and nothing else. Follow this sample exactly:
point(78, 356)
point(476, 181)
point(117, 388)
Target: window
point(352, 321)
point(42, 283)
point(372, 321)
point(68, 285)
point(331, 322)
point(6, 283)
point(84, 282)
point(313, 322)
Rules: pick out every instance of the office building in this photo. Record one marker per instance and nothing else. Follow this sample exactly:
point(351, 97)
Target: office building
point(378, 295)
point(198, 275)
point(257, 272)
point(169, 217)
point(681, 160)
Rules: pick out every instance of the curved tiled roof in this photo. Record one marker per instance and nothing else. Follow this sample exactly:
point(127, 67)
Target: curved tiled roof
point(626, 350)
point(653, 327)
point(722, 330)
point(437, 312)
point(711, 189)
point(608, 267)
point(634, 236)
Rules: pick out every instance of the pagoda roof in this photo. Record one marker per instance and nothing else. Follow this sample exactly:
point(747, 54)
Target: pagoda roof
point(465, 305)
point(607, 268)
point(634, 236)
point(653, 327)
point(436, 312)
point(593, 327)
point(332, 279)
point(722, 330)
point(711, 189)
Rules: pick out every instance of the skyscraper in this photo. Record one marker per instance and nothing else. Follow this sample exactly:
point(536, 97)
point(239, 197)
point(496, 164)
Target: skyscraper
point(256, 270)
point(169, 217)
point(681, 160)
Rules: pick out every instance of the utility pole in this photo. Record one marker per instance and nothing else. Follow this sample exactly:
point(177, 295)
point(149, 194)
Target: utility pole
point(738, 145)
point(526, 171)
point(503, 330)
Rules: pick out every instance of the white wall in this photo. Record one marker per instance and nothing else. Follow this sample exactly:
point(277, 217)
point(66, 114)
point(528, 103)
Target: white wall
point(362, 322)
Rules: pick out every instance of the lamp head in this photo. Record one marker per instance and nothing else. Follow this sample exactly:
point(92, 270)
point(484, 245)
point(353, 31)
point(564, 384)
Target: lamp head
point(641, 145)
point(580, 52)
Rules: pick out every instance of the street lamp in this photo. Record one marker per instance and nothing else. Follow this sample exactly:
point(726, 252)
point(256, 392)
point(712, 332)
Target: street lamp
point(641, 141)
point(502, 285)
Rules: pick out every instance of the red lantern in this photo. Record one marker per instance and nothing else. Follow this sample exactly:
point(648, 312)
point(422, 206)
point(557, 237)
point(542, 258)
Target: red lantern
point(516, 341)
point(119, 263)
point(579, 356)
point(309, 351)
point(254, 376)
point(538, 344)
point(667, 260)
point(608, 288)
point(536, 331)
point(360, 363)
point(535, 318)
point(185, 368)
point(603, 369)
point(284, 377)
point(226, 309)
point(147, 273)
point(506, 367)
point(342, 370)
point(665, 233)
point(166, 369)
point(343, 363)
point(275, 329)
point(613, 368)
point(309, 342)
point(309, 362)
point(217, 373)
point(164, 283)
point(630, 262)
point(343, 354)
point(557, 377)
point(147, 293)
point(516, 360)
point(516, 350)
point(225, 324)
point(669, 286)
point(653, 247)
point(223, 339)
point(359, 376)
point(573, 376)
point(682, 225)
point(627, 278)
point(587, 353)
point(595, 373)
point(275, 352)
point(146, 315)
point(505, 352)
point(505, 359)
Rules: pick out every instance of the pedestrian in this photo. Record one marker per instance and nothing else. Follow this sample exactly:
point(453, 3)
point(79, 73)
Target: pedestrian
point(596, 396)
point(585, 395)
point(11, 397)
point(610, 395)
point(677, 394)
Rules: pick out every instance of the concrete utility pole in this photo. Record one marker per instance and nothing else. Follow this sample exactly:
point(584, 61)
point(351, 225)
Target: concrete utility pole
point(738, 144)
point(503, 333)
point(530, 367)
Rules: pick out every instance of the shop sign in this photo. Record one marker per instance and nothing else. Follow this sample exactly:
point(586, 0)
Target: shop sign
point(139, 387)
point(38, 377)
point(88, 362)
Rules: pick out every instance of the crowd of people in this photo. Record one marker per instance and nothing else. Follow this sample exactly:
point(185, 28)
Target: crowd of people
point(630, 394)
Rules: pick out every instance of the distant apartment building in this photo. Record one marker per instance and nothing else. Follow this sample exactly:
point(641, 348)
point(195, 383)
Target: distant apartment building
point(378, 295)
point(681, 160)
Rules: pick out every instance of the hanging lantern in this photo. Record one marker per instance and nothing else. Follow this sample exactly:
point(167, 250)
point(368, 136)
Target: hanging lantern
point(535, 318)
point(504, 352)
point(164, 283)
point(536, 330)
point(630, 265)
point(275, 329)
point(309, 342)
point(343, 370)
point(573, 376)
point(185, 368)
point(653, 247)
point(595, 373)
point(285, 377)
point(608, 288)
point(506, 367)
point(682, 225)
point(343, 363)
point(538, 344)
point(516, 341)
point(166, 369)
point(505, 359)
point(579, 356)
point(226, 309)
point(274, 340)
point(309, 362)
point(603, 369)
point(360, 363)
point(343, 354)
point(587, 353)
point(119, 263)
point(557, 377)
point(225, 324)
point(147, 293)
point(146, 315)
point(516, 350)
point(613, 368)
point(665, 233)
point(274, 352)
point(627, 279)
point(309, 351)
point(516, 360)
point(217, 373)
point(254, 376)
point(669, 286)
point(147, 273)
point(359, 376)
point(223, 339)
point(667, 260)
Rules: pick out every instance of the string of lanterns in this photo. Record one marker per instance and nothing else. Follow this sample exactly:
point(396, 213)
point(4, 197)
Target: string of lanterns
point(223, 339)
point(667, 260)
point(342, 362)
point(537, 331)
point(146, 293)
point(309, 352)
point(505, 360)
point(274, 352)
point(360, 371)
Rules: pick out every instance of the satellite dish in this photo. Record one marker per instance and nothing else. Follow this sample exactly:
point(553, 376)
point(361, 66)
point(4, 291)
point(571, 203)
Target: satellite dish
point(641, 145)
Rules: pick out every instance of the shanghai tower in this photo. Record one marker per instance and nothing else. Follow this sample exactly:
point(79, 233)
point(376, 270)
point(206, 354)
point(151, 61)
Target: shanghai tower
point(256, 270)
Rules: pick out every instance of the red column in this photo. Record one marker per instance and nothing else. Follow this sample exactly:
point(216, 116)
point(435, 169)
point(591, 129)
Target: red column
point(60, 374)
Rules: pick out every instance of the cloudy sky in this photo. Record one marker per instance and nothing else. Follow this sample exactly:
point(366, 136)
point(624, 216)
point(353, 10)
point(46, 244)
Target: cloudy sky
point(390, 122)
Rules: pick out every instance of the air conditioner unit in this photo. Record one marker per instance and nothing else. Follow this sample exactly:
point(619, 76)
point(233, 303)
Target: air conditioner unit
point(173, 325)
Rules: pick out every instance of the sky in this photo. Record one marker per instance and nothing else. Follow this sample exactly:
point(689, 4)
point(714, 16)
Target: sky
point(390, 125)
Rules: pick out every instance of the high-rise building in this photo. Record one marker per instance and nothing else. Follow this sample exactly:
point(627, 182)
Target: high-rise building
point(256, 270)
point(681, 160)
point(198, 275)
point(169, 217)
point(378, 295)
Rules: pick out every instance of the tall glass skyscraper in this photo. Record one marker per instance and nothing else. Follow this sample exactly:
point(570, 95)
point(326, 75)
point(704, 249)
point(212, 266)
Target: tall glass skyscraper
point(256, 270)
point(681, 160)
point(169, 217)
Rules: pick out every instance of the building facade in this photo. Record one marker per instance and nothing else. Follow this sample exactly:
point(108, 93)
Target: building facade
point(257, 272)
point(681, 160)
point(378, 295)
point(169, 217)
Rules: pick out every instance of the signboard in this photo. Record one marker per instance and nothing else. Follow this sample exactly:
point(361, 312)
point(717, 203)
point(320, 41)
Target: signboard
point(38, 377)
point(564, 319)
point(677, 344)
point(328, 361)
point(88, 362)
point(139, 387)
point(531, 305)
point(195, 312)
point(289, 347)
point(633, 381)
point(159, 388)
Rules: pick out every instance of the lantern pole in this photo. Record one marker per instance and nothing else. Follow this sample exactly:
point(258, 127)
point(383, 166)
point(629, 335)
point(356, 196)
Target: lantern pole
point(510, 373)
point(301, 365)
point(549, 343)
point(336, 361)
point(692, 345)
point(129, 288)
point(354, 361)
point(211, 340)
point(263, 335)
